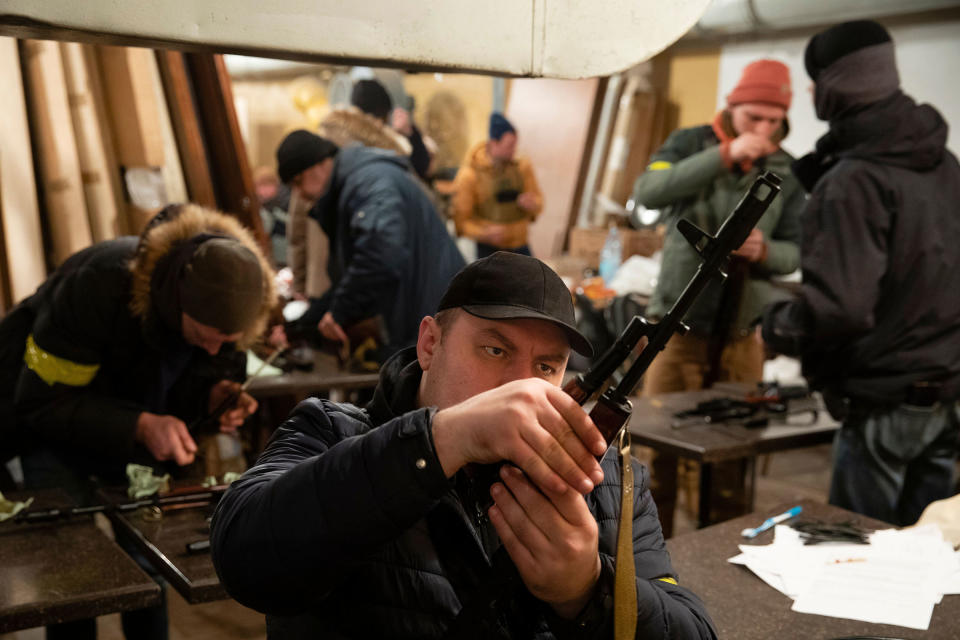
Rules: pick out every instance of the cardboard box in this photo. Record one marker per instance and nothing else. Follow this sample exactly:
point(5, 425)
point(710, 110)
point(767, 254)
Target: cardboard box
point(587, 243)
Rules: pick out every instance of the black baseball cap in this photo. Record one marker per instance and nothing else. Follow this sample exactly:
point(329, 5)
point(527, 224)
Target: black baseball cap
point(508, 285)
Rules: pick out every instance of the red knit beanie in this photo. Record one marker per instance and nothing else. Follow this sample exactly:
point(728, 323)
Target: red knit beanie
point(766, 81)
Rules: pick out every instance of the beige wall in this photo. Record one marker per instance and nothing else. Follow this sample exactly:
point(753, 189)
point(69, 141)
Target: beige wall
point(268, 109)
point(267, 112)
point(692, 85)
point(475, 93)
point(552, 118)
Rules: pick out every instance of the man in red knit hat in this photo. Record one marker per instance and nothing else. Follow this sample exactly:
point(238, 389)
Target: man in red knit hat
point(700, 174)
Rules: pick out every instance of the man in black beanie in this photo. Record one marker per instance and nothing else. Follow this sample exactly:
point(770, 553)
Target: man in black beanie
point(370, 97)
point(877, 321)
point(390, 253)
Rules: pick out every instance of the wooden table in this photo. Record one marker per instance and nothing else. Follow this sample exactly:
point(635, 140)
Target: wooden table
point(278, 395)
point(164, 542)
point(652, 425)
point(746, 608)
point(325, 376)
point(65, 570)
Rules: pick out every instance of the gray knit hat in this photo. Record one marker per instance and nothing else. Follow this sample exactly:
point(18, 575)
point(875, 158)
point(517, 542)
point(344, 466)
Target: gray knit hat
point(222, 285)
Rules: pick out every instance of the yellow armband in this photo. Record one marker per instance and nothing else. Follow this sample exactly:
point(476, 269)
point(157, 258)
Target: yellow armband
point(53, 369)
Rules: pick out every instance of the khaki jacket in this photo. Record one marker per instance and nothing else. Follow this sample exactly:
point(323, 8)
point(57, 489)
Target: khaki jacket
point(475, 205)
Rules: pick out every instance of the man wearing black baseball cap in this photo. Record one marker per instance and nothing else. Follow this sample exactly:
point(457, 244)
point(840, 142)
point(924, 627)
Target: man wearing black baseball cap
point(360, 523)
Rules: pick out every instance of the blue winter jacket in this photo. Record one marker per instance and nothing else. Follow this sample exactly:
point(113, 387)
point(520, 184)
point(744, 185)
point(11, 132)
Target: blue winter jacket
point(390, 253)
point(341, 531)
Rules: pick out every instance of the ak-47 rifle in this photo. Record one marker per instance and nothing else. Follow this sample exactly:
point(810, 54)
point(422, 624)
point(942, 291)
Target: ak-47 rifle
point(752, 411)
point(612, 411)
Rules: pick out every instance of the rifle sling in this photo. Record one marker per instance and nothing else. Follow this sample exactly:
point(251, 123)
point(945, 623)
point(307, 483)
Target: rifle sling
point(625, 587)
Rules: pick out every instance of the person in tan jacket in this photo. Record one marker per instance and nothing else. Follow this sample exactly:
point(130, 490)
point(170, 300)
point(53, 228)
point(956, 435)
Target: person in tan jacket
point(496, 195)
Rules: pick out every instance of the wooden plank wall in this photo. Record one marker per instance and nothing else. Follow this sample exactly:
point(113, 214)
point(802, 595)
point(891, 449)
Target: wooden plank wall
point(229, 167)
point(92, 146)
point(186, 127)
point(19, 210)
point(134, 116)
point(67, 228)
point(112, 134)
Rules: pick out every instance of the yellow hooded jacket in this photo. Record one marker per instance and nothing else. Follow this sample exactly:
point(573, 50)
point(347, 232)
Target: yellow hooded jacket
point(475, 203)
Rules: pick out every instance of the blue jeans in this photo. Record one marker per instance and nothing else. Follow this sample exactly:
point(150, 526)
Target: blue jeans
point(43, 469)
point(484, 250)
point(890, 464)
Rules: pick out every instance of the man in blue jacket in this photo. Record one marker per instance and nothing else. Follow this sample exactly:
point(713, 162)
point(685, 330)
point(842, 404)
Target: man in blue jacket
point(366, 523)
point(390, 253)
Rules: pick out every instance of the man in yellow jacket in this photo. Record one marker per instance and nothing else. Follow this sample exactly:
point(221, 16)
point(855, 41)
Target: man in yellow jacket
point(496, 195)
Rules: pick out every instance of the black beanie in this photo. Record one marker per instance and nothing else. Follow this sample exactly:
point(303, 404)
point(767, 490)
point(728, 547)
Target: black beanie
point(299, 151)
point(828, 46)
point(499, 126)
point(370, 97)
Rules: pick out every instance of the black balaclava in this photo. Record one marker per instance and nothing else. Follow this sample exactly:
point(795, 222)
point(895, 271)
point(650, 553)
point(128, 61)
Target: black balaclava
point(853, 65)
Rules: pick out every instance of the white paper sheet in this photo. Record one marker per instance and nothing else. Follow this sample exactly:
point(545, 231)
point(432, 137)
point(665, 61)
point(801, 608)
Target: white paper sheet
point(883, 590)
point(896, 579)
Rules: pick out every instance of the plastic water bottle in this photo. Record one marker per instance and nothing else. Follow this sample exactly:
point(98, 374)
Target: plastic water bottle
point(610, 255)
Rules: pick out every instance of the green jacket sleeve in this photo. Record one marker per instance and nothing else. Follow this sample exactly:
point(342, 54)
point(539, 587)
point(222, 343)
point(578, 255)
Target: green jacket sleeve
point(679, 169)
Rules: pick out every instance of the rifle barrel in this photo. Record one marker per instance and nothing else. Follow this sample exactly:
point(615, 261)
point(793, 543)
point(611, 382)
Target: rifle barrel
point(714, 251)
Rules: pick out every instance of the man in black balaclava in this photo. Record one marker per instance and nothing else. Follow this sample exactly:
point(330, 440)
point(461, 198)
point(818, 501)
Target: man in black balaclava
point(877, 322)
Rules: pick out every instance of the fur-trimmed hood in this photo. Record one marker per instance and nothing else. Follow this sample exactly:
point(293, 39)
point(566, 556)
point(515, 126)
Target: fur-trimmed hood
point(178, 224)
point(349, 125)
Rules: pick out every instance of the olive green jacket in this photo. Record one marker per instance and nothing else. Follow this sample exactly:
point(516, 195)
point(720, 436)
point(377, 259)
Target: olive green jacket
point(686, 178)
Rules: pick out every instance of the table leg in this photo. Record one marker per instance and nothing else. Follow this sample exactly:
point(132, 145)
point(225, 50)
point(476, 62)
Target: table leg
point(706, 488)
point(663, 488)
point(727, 489)
point(751, 463)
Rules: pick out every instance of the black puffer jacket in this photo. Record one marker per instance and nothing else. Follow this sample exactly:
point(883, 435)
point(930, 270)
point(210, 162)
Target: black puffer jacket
point(879, 308)
point(390, 253)
point(334, 534)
